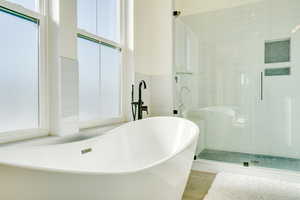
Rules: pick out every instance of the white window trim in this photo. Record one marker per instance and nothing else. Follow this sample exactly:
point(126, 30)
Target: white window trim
point(98, 38)
point(43, 129)
point(121, 118)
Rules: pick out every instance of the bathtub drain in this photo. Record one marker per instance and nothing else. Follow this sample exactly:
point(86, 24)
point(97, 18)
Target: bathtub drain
point(84, 151)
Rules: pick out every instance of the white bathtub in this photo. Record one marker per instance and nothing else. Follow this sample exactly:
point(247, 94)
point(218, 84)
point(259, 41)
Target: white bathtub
point(143, 160)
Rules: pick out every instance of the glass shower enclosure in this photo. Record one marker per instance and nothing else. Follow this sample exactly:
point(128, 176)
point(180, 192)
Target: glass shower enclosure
point(237, 75)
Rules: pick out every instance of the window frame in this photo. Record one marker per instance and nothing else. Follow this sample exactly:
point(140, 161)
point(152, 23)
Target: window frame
point(43, 129)
point(98, 39)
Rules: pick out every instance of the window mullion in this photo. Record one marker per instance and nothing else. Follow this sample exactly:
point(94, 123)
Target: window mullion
point(20, 9)
point(85, 35)
point(87, 38)
point(19, 14)
point(100, 80)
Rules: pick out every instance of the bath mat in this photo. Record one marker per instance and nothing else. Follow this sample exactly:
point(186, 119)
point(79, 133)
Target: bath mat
point(240, 187)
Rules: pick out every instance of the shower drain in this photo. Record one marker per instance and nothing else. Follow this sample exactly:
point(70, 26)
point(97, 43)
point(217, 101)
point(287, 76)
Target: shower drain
point(254, 162)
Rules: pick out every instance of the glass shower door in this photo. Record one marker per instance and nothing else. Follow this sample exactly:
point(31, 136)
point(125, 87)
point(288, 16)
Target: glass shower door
point(275, 137)
point(239, 79)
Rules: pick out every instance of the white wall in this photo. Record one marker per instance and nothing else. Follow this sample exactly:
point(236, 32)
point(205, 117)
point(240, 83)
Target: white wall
point(63, 67)
point(153, 52)
point(153, 37)
point(128, 57)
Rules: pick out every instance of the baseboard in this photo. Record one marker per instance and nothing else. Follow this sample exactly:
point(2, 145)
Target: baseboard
point(217, 167)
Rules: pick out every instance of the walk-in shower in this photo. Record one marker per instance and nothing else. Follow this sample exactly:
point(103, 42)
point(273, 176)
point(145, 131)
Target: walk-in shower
point(237, 71)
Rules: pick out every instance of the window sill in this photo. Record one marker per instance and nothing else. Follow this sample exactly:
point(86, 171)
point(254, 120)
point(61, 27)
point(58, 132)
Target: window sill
point(100, 122)
point(51, 140)
point(15, 136)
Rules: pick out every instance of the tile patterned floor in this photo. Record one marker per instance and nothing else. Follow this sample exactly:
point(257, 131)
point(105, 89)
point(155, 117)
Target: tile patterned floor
point(198, 185)
point(252, 159)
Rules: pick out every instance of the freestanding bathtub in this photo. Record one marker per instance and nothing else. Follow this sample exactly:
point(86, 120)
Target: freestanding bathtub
point(143, 160)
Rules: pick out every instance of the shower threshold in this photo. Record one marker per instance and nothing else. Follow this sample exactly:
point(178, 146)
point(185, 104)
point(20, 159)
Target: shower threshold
point(251, 159)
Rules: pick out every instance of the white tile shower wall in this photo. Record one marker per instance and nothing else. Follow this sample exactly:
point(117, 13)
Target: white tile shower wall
point(157, 96)
point(161, 95)
point(231, 57)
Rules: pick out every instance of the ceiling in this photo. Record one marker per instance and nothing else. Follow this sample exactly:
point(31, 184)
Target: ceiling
point(190, 7)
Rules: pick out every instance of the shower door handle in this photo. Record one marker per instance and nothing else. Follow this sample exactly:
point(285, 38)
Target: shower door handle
point(261, 86)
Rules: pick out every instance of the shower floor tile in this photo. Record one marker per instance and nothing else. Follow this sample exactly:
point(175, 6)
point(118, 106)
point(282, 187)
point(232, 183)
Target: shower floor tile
point(251, 159)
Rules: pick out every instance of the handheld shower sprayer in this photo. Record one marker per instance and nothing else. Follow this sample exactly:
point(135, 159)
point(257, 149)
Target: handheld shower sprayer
point(133, 104)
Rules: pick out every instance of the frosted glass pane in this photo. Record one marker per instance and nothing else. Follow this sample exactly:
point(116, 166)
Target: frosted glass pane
point(110, 82)
point(87, 15)
point(18, 73)
point(29, 4)
point(108, 19)
point(89, 80)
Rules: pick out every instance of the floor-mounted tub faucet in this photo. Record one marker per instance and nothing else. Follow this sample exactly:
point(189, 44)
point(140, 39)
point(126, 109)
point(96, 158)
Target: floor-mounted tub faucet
point(139, 105)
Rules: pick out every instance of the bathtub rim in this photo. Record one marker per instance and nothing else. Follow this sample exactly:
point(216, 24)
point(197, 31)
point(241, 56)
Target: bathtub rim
point(108, 134)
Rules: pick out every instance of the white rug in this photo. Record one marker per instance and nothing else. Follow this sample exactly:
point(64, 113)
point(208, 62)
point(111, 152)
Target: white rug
point(239, 187)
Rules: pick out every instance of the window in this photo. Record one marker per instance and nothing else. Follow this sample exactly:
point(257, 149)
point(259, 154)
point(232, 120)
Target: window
point(100, 17)
point(110, 81)
point(89, 79)
point(20, 67)
point(99, 55)
point(99, 80)
point(107, 19)
point(29, 4)
point(87, 15)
